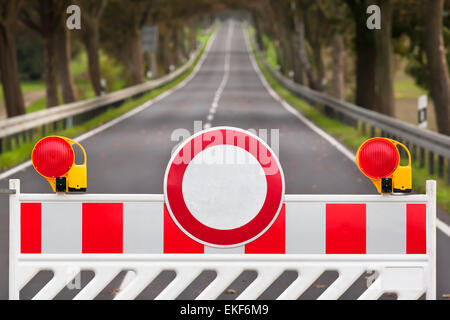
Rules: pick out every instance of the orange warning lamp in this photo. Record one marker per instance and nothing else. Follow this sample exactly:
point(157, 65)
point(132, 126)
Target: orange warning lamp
point(379, 160)
point(54, 159)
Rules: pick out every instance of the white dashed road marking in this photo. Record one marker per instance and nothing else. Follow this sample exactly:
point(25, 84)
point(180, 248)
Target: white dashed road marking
point(223, 83)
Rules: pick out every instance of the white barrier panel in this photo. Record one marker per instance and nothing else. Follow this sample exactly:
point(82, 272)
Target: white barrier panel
point(109, 233)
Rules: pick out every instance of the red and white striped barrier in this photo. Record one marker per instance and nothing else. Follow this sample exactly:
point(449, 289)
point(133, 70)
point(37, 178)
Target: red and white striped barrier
point(322, 227)
point(108, 233)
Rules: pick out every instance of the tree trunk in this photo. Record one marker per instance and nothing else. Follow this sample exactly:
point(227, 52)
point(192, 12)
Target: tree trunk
point(320, 82)
point(299, 26)
point(182, 43)
point(258, 32)
point(177, 45)
point(136, 62)
point(287, 52)
point(162, 54)
point(338, 67)
point(91, 42)
point(192, 36)
point(365, 59)
point(437, 64)
point(63, 58)
point(51, 84)
point(365, 77)
point(12, 90)
point(384, 71)
point(166, 53)
point(299, 74)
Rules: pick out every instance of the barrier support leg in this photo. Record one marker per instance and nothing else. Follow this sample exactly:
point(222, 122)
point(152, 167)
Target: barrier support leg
point(14, 238)
point(431, 193)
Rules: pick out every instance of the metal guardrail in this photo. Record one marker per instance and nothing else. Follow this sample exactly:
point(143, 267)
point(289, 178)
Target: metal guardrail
point(22, 124)
point(434, 143)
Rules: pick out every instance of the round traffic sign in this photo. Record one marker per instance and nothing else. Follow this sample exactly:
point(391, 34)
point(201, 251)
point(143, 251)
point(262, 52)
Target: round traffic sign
point(224, 187)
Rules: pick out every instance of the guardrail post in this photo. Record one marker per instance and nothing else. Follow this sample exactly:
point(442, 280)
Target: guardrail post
point(440, 166)
point(430, 162)
point(363, 128)
point(17, 138)
point(1, 145)
point(8, 143)
point(414, 153)
point(448, 171)
point(372, 131)
point(422, 157)
point(14, 237)
point(69, 123)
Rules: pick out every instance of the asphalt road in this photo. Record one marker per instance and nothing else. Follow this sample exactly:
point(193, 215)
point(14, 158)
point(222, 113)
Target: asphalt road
point(131, 156)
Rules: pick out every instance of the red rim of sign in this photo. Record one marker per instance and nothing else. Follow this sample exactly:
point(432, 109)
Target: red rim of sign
point(218, 237)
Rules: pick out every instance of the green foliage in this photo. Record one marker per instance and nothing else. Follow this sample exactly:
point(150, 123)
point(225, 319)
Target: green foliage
point(22, 153)
point(30, 56)
point(37, 105)
point(353, 137)
point(270, 52)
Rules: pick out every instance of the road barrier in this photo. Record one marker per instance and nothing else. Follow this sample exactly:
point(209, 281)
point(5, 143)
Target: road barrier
point(224, 210)
point(418, 140)
point(109, 233)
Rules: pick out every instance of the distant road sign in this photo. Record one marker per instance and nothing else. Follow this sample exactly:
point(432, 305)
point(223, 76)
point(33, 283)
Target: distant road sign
point(224, 187)
point(149, 38)
point(422, 111)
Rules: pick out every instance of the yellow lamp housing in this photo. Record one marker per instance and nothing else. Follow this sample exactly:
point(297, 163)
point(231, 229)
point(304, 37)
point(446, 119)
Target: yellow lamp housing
point(379, 160)
point(53, 158)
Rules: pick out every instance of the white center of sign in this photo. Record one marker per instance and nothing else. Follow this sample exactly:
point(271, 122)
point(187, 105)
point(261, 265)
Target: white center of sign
point(224, 187)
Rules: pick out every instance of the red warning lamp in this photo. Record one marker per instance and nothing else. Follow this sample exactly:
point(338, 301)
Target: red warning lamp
point(54, 159)
point(379, 160)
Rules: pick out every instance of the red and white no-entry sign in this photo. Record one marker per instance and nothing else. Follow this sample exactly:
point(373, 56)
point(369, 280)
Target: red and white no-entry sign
point(224, 187)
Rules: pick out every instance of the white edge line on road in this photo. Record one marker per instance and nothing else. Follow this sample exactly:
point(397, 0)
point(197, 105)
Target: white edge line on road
point(443, 227)
point(333, 141)
point(129, 114)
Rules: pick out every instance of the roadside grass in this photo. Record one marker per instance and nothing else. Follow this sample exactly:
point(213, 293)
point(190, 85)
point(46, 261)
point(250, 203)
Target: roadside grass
point(407, 89)
point(36, 106)
point(111, 71)
point(353, 137)
point(22, 152)
point(270, 53)
point(27, 86)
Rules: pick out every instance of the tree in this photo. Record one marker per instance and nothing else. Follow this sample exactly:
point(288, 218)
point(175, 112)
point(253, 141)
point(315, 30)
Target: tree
point(337, 82)
point(90, 19)
point(365, 55)
point(437, 64)
point(44, 16)
point(384, 71)
point(9, 11)
point(63, 57)
point(125, 42)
